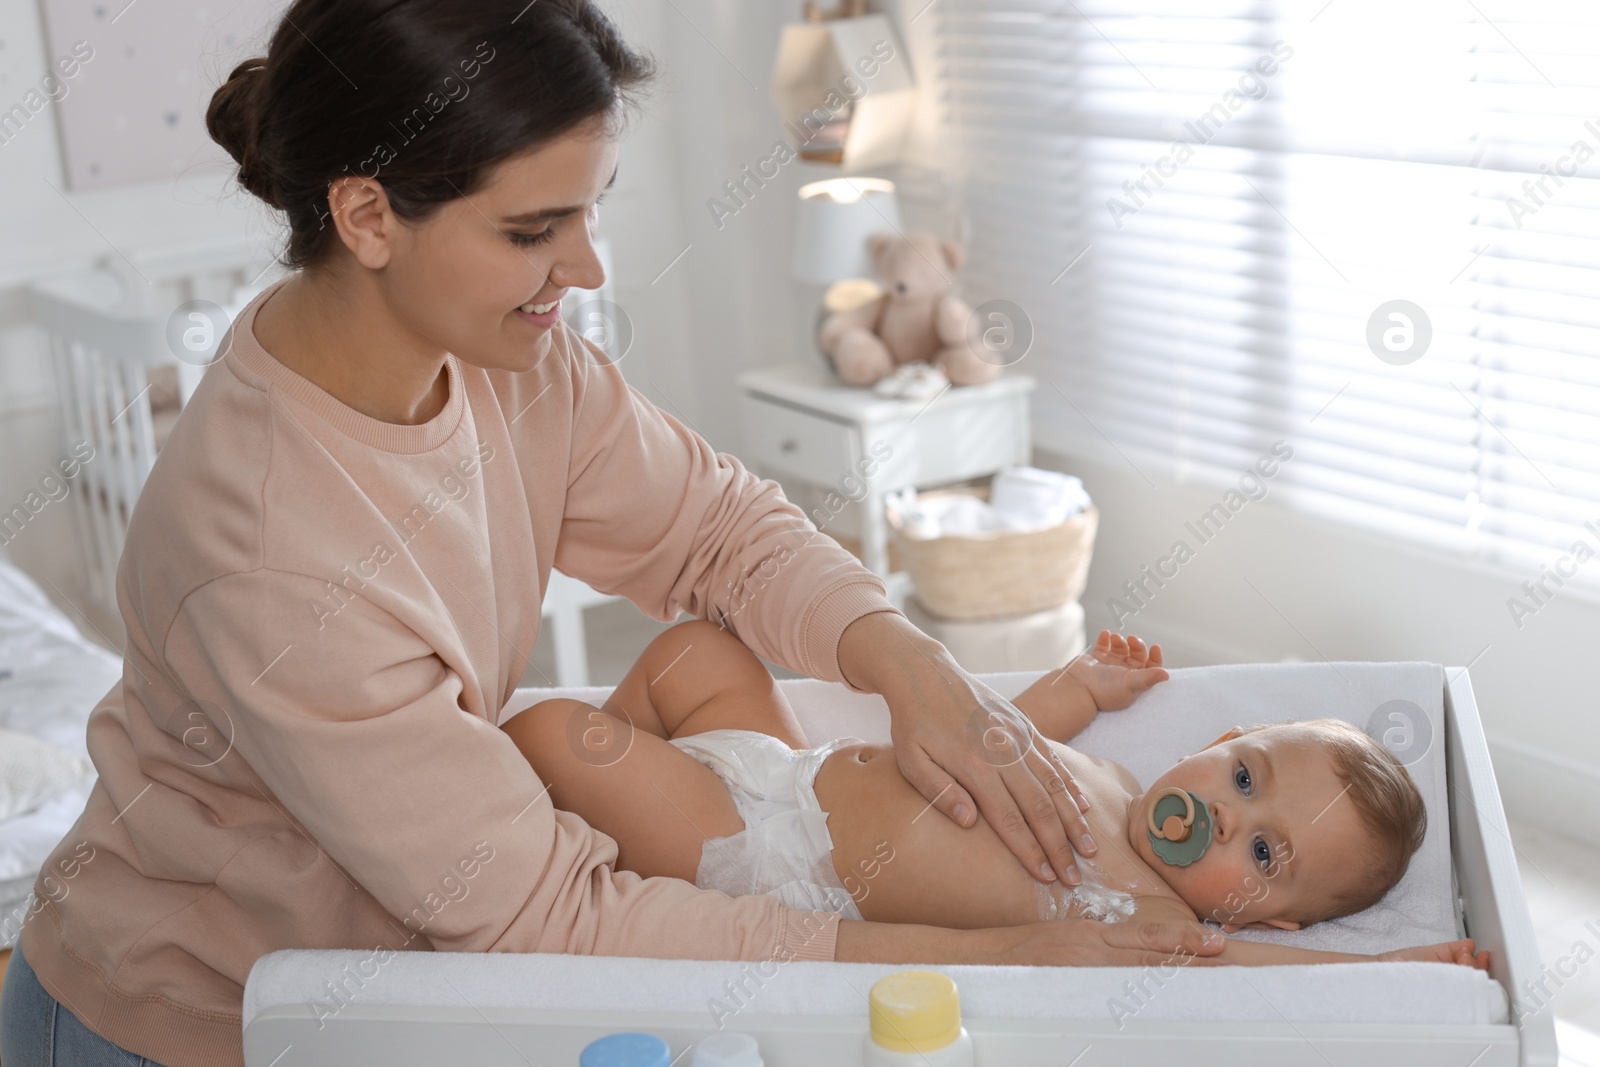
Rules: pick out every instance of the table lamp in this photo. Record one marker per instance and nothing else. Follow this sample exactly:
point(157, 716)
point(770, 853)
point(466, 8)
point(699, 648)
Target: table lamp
point(831, 227)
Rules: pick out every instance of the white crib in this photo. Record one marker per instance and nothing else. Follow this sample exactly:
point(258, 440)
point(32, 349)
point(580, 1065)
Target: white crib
point(119, 384)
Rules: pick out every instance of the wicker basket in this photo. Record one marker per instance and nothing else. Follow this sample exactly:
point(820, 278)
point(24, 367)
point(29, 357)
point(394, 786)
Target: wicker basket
point(998, 572)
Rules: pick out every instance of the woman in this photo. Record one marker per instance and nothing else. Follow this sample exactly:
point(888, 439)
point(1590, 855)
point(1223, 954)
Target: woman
point(332, 582)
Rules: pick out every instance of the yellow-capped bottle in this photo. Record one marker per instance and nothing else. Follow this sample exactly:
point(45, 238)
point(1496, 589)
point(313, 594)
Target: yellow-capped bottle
point(916, 1019)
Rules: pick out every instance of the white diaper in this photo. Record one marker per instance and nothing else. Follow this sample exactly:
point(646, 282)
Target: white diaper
point(785, 850)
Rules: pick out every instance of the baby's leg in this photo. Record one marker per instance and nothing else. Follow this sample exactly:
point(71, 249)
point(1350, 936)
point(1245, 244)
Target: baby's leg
point(697, 677)
point(656, 801)
point(614, 767)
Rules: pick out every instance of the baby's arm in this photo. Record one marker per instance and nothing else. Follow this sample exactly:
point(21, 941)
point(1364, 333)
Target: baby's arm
point(1107, 677)
point(1266, 954)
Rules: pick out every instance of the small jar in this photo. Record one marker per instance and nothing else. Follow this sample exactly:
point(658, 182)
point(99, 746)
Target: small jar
point(916, 1022)
point(727, 1048)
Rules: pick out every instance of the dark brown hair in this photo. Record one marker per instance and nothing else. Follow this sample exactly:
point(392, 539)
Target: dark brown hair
point(423, 95)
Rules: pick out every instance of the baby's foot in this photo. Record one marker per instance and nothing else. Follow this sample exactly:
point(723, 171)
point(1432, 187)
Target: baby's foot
point(1116, 670)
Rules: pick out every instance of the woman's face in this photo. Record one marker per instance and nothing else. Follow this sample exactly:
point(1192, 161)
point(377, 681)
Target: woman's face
point(462, 278)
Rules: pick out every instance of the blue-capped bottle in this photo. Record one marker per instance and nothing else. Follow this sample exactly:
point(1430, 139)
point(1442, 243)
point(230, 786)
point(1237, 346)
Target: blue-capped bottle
point(626, 1050)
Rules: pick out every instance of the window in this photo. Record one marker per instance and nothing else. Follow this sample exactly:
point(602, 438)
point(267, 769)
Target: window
point(1207, 208)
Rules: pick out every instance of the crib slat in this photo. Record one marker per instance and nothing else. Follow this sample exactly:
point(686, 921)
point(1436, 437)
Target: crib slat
point(107, 325)
point(97, 477)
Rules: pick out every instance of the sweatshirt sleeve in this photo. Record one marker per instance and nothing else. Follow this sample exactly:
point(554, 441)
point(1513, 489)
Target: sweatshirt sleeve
point(356, 735)
point(657, 515)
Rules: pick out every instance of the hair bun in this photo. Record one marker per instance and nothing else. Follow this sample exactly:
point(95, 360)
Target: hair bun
point(233, 120)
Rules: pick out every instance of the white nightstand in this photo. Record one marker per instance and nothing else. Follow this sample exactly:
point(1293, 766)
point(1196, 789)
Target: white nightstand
point(800, 422)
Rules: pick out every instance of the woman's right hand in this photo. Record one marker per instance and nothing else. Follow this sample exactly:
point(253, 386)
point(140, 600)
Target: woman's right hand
point(1059, 943)
point(1089, 943)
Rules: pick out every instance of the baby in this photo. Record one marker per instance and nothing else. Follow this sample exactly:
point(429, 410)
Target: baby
point(698, 769)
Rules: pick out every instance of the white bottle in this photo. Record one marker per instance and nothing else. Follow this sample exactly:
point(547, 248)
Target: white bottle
point(726, 1048)
point(916, 1022)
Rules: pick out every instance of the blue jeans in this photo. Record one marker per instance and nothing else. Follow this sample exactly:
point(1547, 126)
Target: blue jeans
point(36, 1031)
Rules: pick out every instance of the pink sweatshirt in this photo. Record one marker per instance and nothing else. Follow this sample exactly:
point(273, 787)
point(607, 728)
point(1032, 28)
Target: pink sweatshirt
point(326, 615)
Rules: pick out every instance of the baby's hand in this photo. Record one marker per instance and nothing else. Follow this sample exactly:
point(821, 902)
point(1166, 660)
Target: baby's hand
point(1460, 952)
point(1115, 670)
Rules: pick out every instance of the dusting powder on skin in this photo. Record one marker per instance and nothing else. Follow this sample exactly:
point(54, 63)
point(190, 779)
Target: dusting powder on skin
point(1092, 898)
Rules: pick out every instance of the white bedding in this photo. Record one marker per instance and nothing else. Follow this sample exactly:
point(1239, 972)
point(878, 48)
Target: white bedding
point(1176, 718)
point(51, 677)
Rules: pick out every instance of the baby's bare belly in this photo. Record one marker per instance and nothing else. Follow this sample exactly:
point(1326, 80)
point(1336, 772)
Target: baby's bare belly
point(904, 862)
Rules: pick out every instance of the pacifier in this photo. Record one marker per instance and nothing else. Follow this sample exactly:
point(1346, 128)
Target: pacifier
point(1180, 826)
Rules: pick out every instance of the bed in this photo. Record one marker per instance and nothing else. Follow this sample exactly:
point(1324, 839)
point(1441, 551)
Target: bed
point(51, 677)
point(491, 1009)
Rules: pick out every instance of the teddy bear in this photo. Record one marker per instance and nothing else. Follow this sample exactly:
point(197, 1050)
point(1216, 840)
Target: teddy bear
point(916, 320)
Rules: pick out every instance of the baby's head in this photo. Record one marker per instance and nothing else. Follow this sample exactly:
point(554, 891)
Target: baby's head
point(1310, 821)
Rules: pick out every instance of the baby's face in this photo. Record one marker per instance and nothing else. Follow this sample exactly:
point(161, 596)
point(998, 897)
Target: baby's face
point(1283, 832)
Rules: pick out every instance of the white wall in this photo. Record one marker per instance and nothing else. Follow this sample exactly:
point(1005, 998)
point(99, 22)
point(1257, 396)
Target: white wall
point(740, 312)
point(717, 115)
point(48, 228)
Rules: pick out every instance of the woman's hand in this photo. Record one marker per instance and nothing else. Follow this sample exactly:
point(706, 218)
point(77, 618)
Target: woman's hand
point(1091, 943)
point(1062, 943)
point(966, 748)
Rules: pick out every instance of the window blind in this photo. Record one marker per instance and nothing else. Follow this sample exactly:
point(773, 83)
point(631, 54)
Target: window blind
point(1201, 205)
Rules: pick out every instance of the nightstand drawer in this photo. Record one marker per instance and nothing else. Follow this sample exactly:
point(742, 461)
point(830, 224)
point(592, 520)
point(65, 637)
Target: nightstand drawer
point(804, 445)
point(950, 442)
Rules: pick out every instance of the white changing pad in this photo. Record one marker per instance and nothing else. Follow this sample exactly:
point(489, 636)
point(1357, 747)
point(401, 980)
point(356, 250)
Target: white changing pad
point(1176, 718)
point(1408, 993)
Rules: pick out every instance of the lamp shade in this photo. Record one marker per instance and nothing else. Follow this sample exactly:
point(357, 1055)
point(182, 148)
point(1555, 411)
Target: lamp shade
point(832, 225)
